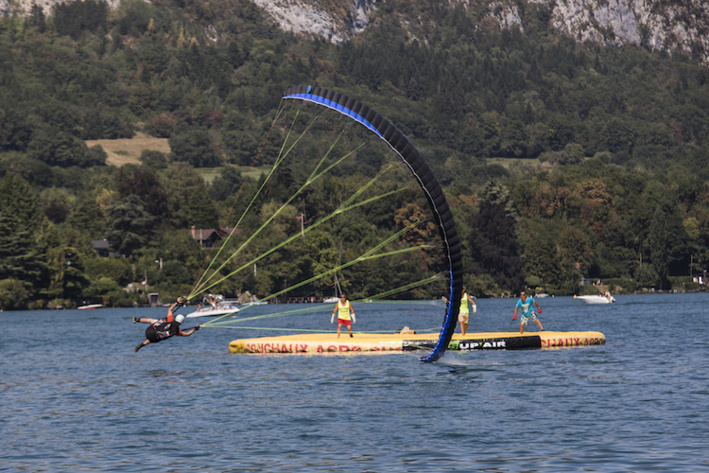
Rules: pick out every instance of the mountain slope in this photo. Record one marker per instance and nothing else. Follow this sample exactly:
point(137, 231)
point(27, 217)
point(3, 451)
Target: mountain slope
point(653, 24)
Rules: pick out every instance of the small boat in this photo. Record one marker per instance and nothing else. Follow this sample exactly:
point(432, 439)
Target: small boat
point(214, 305)
point(597, 299)
point(336, 298)
point(90, 306)
point(249, 304)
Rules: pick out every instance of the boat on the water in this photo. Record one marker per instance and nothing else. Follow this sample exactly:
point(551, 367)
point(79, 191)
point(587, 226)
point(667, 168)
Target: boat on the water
point(336, 298)
point(90, 306)
point(249, 304)
point(214, 305)
point(604, 298)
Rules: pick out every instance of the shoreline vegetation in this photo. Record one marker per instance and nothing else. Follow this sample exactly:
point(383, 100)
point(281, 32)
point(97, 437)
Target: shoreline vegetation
point(126, 133)
point(644, 291)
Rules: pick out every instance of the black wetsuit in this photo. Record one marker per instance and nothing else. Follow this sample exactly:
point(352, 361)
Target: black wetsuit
point(162, 329)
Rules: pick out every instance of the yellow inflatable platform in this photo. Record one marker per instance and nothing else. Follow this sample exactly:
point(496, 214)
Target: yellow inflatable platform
point(322, 343)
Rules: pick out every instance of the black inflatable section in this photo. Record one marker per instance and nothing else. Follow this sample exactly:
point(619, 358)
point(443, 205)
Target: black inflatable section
point(493, 343)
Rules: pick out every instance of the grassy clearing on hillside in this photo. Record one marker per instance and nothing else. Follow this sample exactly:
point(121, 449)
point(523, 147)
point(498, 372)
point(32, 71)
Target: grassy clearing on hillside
point(128, 150)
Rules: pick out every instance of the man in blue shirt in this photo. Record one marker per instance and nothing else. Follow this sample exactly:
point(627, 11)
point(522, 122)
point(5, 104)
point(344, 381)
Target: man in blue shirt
point(527, 304)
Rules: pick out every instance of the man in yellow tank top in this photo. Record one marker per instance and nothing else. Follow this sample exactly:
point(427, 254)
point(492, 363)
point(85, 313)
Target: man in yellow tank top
point(343, 309)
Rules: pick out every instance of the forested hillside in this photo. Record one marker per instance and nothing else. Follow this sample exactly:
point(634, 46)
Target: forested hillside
point(561, 160)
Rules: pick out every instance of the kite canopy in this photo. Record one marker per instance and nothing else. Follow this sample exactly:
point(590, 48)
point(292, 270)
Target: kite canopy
point(437, 201)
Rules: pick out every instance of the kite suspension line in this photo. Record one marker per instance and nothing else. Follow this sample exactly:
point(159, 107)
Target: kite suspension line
point(236, 198)
point(342, 208)
point(441, 214)
point(371, 254)
point(202, 284)
point(230, 323)
point(310, 228)
point(283, 153)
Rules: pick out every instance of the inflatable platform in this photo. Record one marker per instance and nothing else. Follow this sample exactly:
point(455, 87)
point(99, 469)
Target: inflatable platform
point(322, 343)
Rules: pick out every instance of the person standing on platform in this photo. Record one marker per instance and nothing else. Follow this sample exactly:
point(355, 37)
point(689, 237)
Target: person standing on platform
point(527, 303)
point(464, 313)
point(343, 308)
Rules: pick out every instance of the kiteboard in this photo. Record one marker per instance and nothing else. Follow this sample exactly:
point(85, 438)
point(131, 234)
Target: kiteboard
point(329, 343)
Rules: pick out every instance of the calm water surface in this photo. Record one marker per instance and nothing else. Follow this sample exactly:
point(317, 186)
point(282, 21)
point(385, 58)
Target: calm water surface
point(74, 396)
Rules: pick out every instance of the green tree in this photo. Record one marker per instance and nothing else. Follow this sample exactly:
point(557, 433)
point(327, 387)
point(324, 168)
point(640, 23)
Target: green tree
point(667, 242)
point(494, 246)
point(200, 209)
point(154, 160)
point(102, 288)
point(129, 226)
point(617, 136)
point(226, 186)
point(646, 276)
point(58, 148)
point(56, 204)
point(36, 18)
point(241, 147)
point(13, 294)
point(182, 262)
point(67, 280)
point(193, 145)
point(74, 18)
point(87, 215)
point(575, 246)
point(19, 217)
point(145, 184)
point(117, 269)
point(542, 259)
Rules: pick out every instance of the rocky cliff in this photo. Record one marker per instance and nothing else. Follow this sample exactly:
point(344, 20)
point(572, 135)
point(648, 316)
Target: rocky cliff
point(670, 25)
point(654, 24)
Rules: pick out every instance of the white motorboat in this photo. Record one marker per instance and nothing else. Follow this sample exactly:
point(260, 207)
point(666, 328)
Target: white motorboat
point(214, 305)
point(90, 306)
point(597, 299)
point(336, 298)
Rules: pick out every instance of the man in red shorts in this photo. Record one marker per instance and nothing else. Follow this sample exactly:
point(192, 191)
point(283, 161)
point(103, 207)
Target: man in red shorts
point(343, 309)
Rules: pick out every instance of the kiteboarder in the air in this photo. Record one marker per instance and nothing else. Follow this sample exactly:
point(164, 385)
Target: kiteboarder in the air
point(168, 327)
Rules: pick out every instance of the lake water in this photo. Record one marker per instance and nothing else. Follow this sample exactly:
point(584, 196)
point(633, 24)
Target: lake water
point(74, 397)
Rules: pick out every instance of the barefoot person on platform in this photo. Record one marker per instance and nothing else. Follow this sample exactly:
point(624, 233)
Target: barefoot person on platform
point(527, 303)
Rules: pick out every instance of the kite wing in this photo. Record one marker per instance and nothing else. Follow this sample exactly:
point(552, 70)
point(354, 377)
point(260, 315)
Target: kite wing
point(437, 201)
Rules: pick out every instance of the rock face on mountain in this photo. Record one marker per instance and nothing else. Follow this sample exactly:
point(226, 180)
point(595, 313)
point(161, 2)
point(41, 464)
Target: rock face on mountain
point(308, 17)
point(653, 24)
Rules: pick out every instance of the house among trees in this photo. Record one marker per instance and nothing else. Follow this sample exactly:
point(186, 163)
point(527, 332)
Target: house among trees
point(209, 237)
point(104, 249)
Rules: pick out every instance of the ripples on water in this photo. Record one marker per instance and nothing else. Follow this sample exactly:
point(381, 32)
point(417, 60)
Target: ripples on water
point(76, 398)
